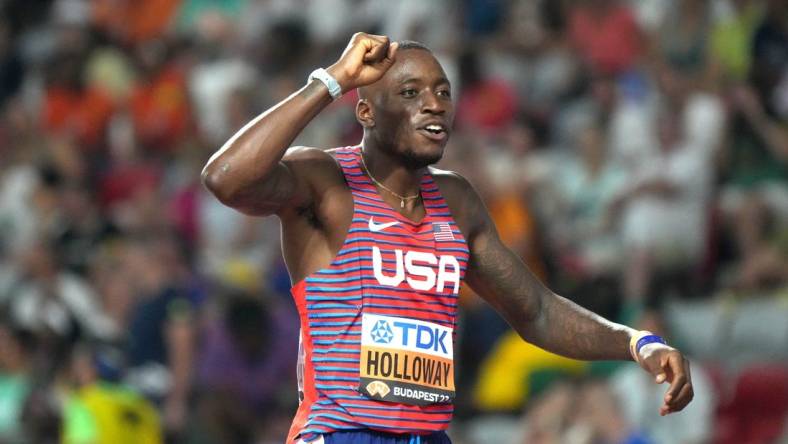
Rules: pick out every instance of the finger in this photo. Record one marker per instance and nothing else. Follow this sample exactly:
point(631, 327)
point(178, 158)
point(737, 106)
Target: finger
point(377, 49)
point(681, 400)
point(364, 38)
point(392, 51)
point(362, 43)
point(391, 55)
point(687, 370)
point(679, 377)
point(685, 395)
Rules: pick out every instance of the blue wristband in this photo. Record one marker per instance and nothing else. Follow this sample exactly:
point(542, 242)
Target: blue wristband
point(648, 339)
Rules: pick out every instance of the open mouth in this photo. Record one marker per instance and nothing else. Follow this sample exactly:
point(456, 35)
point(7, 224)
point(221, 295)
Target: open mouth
point(435, 131)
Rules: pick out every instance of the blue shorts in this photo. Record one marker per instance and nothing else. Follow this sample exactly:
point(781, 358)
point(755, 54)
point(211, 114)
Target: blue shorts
point(373, 437)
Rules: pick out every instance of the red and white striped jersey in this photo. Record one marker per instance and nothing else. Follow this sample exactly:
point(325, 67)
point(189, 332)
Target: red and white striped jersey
point(377, 325)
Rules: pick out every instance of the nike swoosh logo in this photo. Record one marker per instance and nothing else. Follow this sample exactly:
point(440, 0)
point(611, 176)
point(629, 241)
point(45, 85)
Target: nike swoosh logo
point(380, 227)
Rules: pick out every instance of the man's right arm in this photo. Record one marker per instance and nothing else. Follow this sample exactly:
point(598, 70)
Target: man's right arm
point(248, 173)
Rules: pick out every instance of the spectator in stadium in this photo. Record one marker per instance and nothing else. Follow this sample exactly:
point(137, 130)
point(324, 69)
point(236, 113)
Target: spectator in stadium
point(215, 74)
point(160, 101)
point(72, 108)
point(762, 249)
point(730, 41)
point(587, 243)
point(754, 190)
point(243, 359)
point(663, 211)
point(52, 302)
point(485, 104)
point(20, 216)
point(584, 411)
point(99, 410)
point(11, 65)
point(606, 35)
point(161, 332)
point(15, 378)
point(769, 73)
point(83, 228)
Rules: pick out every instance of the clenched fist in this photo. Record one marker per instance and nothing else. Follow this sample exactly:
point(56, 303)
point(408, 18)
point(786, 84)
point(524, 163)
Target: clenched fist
point(364, 61)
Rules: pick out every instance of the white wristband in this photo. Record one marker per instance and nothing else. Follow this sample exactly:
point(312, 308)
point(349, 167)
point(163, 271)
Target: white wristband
point(648, 349)
point(651, 341)
point(331, 83)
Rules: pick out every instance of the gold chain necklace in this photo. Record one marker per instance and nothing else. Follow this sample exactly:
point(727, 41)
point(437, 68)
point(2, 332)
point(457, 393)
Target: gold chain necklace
point(402, 198)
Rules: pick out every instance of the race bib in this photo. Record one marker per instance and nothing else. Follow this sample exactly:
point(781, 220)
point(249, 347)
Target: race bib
point(407, 361)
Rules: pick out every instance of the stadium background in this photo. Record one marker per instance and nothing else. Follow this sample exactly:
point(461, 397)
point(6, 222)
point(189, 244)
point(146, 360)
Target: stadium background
point(632, 152)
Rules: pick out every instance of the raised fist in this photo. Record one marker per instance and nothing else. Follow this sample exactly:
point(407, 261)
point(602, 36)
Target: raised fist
point(364, 61)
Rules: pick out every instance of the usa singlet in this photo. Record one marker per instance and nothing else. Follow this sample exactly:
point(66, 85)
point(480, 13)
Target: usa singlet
point(377, 325)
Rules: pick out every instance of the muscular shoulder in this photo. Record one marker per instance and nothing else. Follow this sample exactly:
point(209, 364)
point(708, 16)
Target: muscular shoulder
point(321, 185)
point(312, 165)
point(449, 179)
point(309, 156)
point(464, 202)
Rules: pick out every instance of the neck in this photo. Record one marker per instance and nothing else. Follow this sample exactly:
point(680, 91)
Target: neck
point(389, 171)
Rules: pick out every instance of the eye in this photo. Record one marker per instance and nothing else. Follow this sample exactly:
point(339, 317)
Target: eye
point(444, 93)
point(408, 93)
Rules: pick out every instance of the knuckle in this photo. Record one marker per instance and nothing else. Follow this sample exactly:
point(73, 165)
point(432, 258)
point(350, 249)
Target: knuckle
point(381, 40)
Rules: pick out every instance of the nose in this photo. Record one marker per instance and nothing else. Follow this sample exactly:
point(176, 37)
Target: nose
point(432, 104)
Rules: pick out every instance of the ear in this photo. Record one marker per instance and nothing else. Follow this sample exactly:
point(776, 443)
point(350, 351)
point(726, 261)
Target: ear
point(364, 114)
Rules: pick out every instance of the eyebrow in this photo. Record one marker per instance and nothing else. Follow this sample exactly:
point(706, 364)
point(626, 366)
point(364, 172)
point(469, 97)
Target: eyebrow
point(418, 79)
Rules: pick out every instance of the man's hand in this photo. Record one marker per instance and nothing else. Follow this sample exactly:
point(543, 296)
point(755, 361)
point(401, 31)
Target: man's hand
point(667, 364)
point(364, 61)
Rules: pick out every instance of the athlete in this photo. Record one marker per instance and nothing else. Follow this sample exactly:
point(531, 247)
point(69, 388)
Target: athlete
point(377, 243)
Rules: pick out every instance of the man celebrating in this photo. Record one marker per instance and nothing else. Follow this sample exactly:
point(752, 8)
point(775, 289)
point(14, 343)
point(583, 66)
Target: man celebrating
point(377, 243)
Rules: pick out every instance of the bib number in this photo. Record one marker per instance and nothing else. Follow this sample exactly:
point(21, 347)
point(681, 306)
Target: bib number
point(406, 361)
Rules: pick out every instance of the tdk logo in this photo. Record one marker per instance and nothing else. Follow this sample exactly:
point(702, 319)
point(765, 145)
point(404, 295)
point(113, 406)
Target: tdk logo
point(381, 332)
point(406, 335)
point(421, 336)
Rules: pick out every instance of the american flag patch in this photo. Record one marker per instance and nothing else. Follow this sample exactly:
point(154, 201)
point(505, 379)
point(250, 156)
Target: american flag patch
point(442, 231)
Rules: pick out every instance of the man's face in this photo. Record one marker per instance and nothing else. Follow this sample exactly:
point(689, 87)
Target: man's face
point(412, 109)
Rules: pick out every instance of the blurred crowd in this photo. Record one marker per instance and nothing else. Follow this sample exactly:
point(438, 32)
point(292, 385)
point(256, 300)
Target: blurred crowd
point(634, 153)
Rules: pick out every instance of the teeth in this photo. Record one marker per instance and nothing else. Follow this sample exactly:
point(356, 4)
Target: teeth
point(435, 128)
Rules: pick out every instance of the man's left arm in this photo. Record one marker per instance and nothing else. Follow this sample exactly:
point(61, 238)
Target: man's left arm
point(552, 322)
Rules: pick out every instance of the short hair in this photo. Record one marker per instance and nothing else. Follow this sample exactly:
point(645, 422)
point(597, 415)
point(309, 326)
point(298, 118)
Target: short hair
point(403, 44)
point(412, 44)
